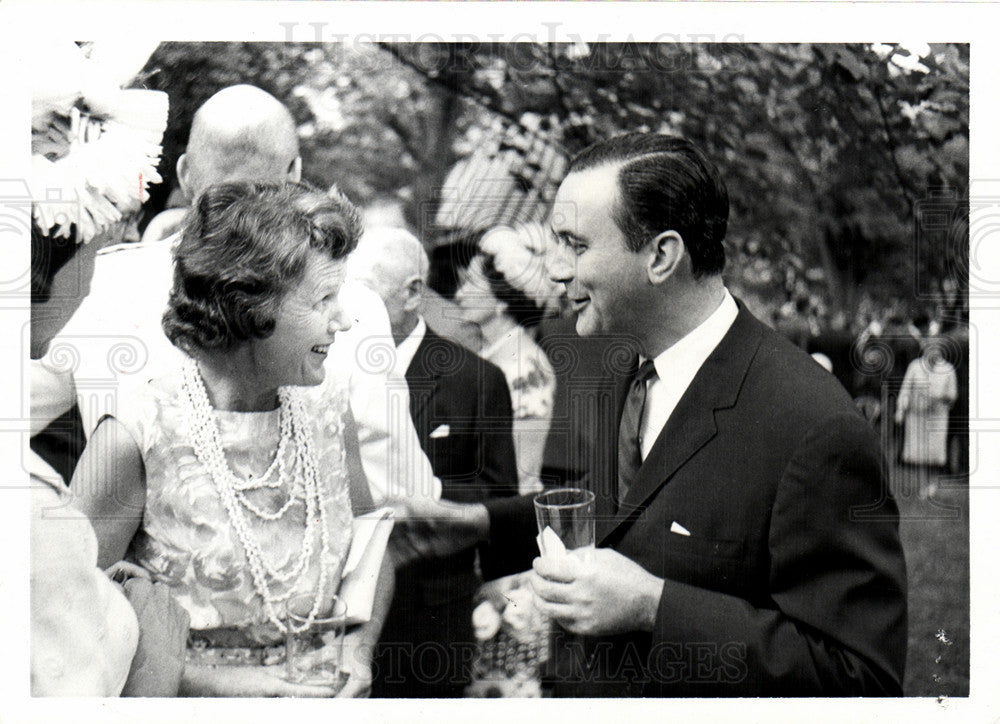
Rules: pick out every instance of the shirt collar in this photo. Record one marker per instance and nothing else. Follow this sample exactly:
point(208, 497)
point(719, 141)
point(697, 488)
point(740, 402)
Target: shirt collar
point(682, 360)
point(407, 349)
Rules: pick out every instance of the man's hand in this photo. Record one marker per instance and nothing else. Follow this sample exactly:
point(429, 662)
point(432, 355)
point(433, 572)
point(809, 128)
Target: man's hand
point(597, 592)
point(163, 629)
point(433, 528)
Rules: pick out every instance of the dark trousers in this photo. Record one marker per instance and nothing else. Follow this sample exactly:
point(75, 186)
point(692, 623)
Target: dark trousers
point(425, 651)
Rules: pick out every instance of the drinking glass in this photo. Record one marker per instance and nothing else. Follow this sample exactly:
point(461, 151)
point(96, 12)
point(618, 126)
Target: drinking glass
point(569, 514)
point(314, 655)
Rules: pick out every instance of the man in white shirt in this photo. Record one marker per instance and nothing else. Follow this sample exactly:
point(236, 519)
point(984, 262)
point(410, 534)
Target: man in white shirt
point(461, 408)
point(747, 544)
point(240, 133)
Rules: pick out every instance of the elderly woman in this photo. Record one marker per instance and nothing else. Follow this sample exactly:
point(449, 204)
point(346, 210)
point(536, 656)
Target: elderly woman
point(504, 290)
point(230, 476)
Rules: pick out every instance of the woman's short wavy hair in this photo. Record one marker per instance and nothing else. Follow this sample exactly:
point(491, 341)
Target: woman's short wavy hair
point(243, 247)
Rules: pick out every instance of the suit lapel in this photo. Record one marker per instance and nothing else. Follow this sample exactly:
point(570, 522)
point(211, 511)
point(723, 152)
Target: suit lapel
point(692, 423)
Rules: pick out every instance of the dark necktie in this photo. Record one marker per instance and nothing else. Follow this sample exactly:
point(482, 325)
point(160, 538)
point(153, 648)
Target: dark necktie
point(629, 448)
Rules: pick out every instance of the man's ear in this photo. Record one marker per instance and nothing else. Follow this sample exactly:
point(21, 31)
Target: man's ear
point(668, 251)
point(184, 177)
point(414, 293)
point(295, 170)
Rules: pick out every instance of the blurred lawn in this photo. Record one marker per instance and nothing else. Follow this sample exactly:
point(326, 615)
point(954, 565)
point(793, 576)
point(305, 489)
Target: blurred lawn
point(935, 533)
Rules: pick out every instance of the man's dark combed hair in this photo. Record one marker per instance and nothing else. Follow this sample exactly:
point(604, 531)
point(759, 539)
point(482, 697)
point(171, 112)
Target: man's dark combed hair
point(244, 246)
point(665, 184)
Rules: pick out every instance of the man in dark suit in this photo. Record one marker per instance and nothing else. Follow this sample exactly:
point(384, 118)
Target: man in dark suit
point(747, 541)
point(461, 408)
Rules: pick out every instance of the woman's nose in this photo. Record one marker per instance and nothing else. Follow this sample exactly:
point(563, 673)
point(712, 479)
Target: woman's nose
point(340, 320)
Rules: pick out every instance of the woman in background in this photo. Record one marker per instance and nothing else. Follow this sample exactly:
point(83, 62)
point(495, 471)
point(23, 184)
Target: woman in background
point(504, 290)
point(930, 388)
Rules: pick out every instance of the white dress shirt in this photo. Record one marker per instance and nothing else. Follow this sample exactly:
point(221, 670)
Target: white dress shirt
point(676, 367)
point(391, 455)
point(115, 339)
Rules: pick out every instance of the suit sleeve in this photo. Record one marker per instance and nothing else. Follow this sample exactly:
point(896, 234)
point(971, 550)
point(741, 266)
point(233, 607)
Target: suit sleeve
point(83, 631)
point(500, 556)
point(835, 623)
point(511, 545)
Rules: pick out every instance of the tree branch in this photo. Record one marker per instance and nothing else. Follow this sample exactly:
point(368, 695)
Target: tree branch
point(884, 116)
point(448, 81)
point(393, 123)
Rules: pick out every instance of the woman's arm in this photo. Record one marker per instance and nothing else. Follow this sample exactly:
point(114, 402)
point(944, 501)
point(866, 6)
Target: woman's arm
point(245, 681)
point(109, 486)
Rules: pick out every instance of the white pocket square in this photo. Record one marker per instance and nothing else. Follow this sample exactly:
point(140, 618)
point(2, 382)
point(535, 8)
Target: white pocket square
point(679, 529)
point(441, 431)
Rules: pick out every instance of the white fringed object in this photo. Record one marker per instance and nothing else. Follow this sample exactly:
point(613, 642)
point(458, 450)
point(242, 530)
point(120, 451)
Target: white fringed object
point(95, 147)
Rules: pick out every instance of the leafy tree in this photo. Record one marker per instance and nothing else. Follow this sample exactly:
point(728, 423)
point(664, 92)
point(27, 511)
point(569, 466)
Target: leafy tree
point(847, 164)
point(831, 152)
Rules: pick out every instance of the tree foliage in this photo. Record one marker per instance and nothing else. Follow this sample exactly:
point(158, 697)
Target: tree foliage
point(831, 152)
point(847, 165)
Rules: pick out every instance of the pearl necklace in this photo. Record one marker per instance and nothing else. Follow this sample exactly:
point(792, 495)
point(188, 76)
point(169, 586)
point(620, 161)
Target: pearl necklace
point(294, 433)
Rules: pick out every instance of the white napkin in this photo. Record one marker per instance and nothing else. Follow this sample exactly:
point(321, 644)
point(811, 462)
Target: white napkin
point(357, 588)
point(550, 545)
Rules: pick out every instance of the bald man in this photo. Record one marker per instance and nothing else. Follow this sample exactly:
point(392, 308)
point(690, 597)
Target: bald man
point(461, 408)
point(240, 133)
point(116, 340)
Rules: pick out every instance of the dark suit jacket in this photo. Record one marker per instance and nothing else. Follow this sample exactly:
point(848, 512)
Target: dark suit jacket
point(460, 405)
point(61, 443)
point(453, 389)
point(580, 365)
point(792, 580)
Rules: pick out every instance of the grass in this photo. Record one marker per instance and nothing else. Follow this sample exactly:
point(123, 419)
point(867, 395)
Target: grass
point(935, 534)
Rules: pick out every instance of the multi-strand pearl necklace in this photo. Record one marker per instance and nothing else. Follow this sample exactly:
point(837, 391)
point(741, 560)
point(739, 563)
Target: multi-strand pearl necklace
point(294, 441)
